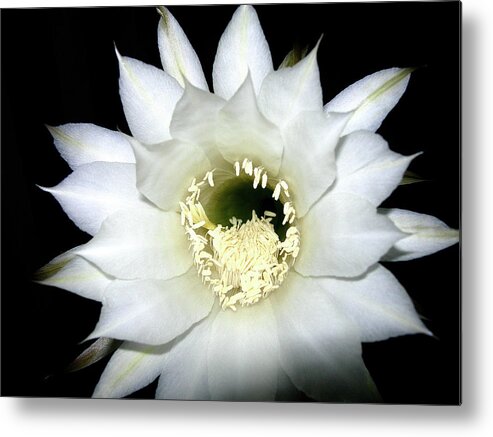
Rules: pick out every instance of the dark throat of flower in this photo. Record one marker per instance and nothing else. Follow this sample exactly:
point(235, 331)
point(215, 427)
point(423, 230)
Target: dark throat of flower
point(242, 232)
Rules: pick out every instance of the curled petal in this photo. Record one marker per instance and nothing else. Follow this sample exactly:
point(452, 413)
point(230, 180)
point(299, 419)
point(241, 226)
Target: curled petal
point(152, 311)
point(427, 235)
point(376, 303)
point(367, 167)
point(291, 90)
point(83, 143)
point(343, 236)
point(185, 370)
point(97, 351)
point(95, 191)
point(149, 96)
point(242, 49)
point(243, 354)
point(165, 171)
point(132, 367)
point(242, 131)
point(194, 121)
point(140, 244)
point(177, 54)
point(75, 274)
point(308, 162)
point(320, 349)
point(371, 98)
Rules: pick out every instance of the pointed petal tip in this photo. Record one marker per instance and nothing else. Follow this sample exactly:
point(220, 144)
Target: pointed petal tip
point(424, 329)
point(46, 189)
point(314, 51)
point(92, 336)
point(118, 55)
point(165, 15)
point(40, 276)
point(51, 129)
point(95, 352)
point(162, 10)
point(245, 8)
point(433, 336)
point(404, 71)
point(412, 157)
point(412, 178)
point(415, 68)
point(55, 131)
point(426, 235)
point(407, 71)
point(430, 334)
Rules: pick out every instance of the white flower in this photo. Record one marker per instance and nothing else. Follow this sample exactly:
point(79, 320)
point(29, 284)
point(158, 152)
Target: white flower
point(237, 236)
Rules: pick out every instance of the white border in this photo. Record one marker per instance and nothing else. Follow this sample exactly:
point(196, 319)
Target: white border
point(59, 417)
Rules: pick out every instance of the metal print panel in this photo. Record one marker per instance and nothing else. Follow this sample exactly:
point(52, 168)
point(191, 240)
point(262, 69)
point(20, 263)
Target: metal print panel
point(232, 203)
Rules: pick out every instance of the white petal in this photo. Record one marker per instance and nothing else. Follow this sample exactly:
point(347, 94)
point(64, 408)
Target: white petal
point(291, 90)
point(242, 49)
point(152, 311)
point(73, 273)
point(286, 390)
point(342, 235)
point(371, 98)
point(185, 371)
point(140, 244)
point(243, 132)
point(367, 167)
point(376, 303)
point(95, 191)
point(149, 96)
point(82, 143)
point(308, 162)
point(165, 171)
point(194, 121)
point(177, 54)
point(428, 235)
point(320, 349)
point(132, 367)
point(243, 354)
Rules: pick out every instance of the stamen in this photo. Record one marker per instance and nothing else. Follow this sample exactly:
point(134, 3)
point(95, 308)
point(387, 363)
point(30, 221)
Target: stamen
point(210, 178)
point(257, 172)
point(245, 261)
point(264, 180)
point(249, 168)
point(277, 192)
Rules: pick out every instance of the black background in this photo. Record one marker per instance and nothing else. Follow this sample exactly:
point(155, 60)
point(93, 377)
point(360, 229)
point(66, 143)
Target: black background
point(59, 66)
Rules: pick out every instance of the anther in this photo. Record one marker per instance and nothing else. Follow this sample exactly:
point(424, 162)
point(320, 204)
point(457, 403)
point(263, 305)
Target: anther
point(277, 192)
point(264, 180)
point(244, 261)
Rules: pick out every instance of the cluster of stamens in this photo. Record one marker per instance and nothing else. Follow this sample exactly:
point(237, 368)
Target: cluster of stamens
point(245, 261)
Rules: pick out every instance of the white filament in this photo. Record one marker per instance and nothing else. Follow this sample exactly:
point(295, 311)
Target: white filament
point(244, 262)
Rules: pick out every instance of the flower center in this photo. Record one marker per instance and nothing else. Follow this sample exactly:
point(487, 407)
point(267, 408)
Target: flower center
point(241, 257)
